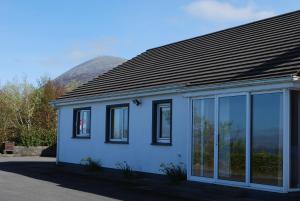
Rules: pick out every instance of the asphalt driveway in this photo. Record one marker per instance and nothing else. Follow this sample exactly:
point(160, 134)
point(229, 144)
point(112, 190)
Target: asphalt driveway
point(39, 179)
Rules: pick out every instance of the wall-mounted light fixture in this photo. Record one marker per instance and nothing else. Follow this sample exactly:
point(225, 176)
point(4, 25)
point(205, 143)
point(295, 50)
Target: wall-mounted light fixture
point(137, 102)
point(296, 76)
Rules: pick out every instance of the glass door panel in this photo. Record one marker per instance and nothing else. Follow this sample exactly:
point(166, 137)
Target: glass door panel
point(203, 138)
point(266, 139)
point(232, 138)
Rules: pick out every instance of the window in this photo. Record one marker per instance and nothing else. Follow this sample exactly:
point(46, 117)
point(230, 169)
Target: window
point(266, 139)
point(117, 127)
point(82, 122)
point(203, 137)
point(232, 138)
point(222, 128)
point(162, 122)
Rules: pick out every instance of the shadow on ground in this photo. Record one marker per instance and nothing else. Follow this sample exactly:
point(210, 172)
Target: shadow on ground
point(65, 176)
point(49, 171)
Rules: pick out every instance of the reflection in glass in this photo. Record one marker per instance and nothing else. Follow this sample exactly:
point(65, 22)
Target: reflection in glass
point(266, 139)
point(165, 121)
point(119, 124)
point(203, 138)
point(83, 122)
point(85, 119)
point(232, 137)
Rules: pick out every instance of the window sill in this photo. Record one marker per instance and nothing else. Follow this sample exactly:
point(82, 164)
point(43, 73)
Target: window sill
point(81, 137)
point(161, 143)
point(116, 142)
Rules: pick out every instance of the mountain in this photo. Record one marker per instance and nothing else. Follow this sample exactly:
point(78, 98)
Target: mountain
point(88, 70)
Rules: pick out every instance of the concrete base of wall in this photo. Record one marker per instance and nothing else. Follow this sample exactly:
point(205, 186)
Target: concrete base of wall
point(35, 151)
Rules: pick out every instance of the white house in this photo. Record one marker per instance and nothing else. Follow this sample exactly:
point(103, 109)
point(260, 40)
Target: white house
point(226, 104)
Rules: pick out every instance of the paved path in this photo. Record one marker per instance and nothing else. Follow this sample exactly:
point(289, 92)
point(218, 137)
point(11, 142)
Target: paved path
point(38, 179)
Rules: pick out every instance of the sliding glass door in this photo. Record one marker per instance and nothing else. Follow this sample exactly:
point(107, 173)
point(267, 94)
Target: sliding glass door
point(239, 138)
point(203, 138)
point(232, 138)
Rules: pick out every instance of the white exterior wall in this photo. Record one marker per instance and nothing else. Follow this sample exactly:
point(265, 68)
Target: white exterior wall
point(139, 153)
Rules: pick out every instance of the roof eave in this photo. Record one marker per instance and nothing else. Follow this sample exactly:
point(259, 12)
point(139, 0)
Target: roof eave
point(170, 89)
point(167, 89)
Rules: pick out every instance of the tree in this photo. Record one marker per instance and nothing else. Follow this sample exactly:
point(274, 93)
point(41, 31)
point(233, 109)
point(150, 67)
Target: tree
point(26, 116)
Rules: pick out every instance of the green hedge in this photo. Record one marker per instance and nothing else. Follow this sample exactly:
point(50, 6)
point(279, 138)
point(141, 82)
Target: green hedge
point(37, 137)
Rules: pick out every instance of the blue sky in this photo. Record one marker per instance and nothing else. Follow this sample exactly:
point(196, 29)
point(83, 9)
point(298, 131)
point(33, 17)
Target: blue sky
point(49, 37)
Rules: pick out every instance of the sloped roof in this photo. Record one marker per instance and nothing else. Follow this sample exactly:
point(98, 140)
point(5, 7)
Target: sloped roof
point(264, 49)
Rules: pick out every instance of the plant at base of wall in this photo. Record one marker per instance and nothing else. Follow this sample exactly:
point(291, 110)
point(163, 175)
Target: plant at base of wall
point(90, 164)
point(126, 169)
point(176, 173)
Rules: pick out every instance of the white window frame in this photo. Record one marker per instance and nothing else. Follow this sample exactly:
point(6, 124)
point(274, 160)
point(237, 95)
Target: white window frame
point(247, 183)
point(158, 123)
point(78, 133)
point(156, 105)
point(122, 139)
point(191, 102)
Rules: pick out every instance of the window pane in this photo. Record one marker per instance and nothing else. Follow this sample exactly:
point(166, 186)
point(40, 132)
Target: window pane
point(83, 122)
point(203, 138)
point(295, 139)
point(125, 122)
point(88, 122)
point(119, 123)
point(266, 146)
point(78, 123)
point(232, 137)
point(165, 116)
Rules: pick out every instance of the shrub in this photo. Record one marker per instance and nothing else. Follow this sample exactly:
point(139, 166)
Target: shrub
point(126, 169)
point(176, 173)
point(37, 136)
point(91, 165)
